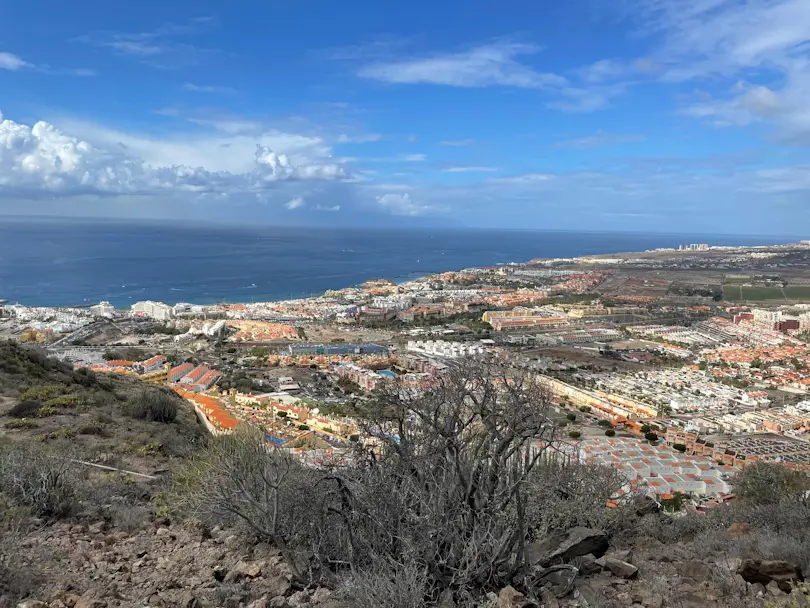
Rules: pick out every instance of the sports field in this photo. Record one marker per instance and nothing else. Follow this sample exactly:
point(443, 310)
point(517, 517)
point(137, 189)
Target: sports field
point(791, 293)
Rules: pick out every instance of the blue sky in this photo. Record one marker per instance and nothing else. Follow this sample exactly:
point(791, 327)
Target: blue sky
point(643, 115)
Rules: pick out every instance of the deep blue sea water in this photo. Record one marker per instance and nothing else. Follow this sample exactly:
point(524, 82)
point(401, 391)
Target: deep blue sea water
point(72, 262)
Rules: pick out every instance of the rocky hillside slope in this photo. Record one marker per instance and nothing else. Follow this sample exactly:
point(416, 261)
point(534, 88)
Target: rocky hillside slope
point(77, 536)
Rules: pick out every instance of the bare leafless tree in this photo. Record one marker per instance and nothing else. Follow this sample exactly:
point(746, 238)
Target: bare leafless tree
point(442, 487)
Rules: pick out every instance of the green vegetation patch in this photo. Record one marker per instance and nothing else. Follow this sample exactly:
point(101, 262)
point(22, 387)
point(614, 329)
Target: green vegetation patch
point(797, 292)
point(756, 294)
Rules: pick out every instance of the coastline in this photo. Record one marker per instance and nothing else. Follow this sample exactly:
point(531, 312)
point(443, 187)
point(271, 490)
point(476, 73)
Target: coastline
point(81, 264)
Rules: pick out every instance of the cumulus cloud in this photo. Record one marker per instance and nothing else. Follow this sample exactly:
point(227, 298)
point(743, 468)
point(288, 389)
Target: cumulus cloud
point(43, 160)
point(295, 203)
point(483, 66)
point(401, 204)
point(323, 208)
point(9, 61)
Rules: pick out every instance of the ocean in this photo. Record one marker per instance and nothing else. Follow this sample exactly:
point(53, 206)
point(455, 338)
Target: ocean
point(58, 262)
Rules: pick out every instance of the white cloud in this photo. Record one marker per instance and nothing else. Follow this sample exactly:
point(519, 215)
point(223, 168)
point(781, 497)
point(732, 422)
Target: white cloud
point(483, 66)
point(579, 99)
point(9, 61)
point(332, 208)
point(295, 203)
point(198, 88)
point(158, 47)
point(457, 142)
point(470, 169)
point(401, 204)
point(599, 139)
point(605, 69)
point(42, 160)
point(413, 158)
point(230, 147)
point(764, 43)
point(359, 139)
point(529, 178)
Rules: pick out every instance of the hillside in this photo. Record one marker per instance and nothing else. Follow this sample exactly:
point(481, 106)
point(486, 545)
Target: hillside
point(431, 520)
point(99, 418)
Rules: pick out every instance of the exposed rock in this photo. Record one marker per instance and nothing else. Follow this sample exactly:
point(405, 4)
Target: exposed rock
point(299, 599)
point(509, 597)
point(589, 596)
point(647, 505)
point(764, 571)
point(588, 565)
point(563, 546)
point(773, 589)
point(618, 567)
point(648, 599)
point(275, 586)
point(757, 590)
point(220, 572)
point(243, 570)
point(31, 604)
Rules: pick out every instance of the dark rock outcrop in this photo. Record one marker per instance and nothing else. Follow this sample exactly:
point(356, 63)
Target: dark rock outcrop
point(563, 546)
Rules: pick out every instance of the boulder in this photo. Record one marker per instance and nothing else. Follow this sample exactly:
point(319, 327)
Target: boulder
point(275, 586)
point(589, 596)
point(509, 597)
point(563, 546)
point(774, 590)
point(588, 565)
point(764, 571)
point(647, 505)
point(618, 567)
point(243, 570)
point(219, 572)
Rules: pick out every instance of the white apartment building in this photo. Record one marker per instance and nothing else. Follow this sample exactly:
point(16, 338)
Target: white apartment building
point(153, 310)
point(103, 309)
point(443, 348)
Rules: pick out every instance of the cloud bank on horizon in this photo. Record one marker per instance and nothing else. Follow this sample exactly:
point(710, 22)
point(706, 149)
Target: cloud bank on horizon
point(665, 115)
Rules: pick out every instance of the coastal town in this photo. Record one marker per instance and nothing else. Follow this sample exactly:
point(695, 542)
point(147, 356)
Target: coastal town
point(677, 367)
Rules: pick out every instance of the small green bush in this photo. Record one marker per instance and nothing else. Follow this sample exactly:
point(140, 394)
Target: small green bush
point(575, 434)
point(90, 428)
point(605, 423)
point(46, 411)
point(610, 433)
point(651, 437)
point(153, 406)
point(65, 401)
point(63, 433)
point(679, 447)
point(42, 393)
point(571, 417)
point(22, 423)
